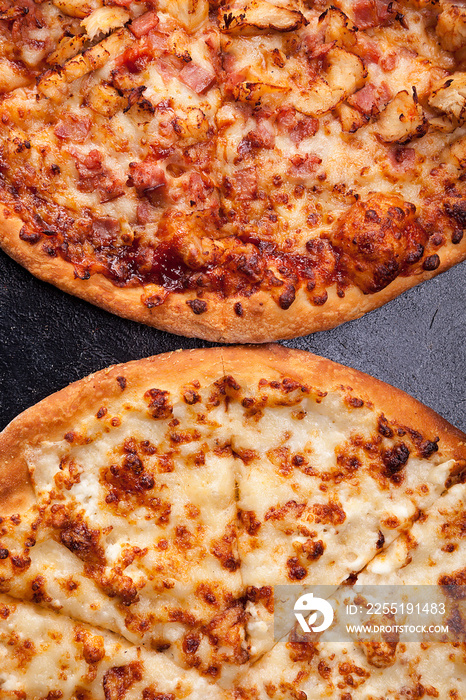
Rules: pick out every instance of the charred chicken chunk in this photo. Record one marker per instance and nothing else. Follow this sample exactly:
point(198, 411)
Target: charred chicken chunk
point(449, 96)
point(451, 26)
point(379, 238)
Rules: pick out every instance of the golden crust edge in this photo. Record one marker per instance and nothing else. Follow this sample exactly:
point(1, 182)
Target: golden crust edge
point(325, 375)
point(262, 320)
point(50, 418)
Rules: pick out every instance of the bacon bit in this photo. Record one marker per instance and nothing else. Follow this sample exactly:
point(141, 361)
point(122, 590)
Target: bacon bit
point(287, 119)
point(246, 183)
point(368, 49)
point(264, 135)
point(306, 127)
point(136, 57)
point(145, 212)
point(390, 61)
point(73, 127)
point(372, 13)
point(233, 76)
point(305, 165)
point(261, 137)
point(297, 126)
point(144, 24)
point(402, 158)
point(197, 78)
point(370, 99)
point(321, 50)
point(199, 189)
point(92, 160)
point(147, 175)
point(93, 176)
point(104, 231)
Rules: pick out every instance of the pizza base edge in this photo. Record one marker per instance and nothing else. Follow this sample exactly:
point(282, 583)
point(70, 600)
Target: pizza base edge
point(55, 415)
point(258, 319)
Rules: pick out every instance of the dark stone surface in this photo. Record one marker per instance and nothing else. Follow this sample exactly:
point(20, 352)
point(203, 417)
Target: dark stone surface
point(49, 339)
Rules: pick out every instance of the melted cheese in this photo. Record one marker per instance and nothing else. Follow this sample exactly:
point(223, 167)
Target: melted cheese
point(168, 520)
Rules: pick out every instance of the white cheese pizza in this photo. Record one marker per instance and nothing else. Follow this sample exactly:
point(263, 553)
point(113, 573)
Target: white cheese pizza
point(237, 171)
point(148, 511)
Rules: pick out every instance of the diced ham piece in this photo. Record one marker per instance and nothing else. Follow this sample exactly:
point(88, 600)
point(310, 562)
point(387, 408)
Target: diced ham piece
point(305, 165)
point(297, 126)
point(142, 52)
point(265, 134)
point(385, 93)
point(232, 76)
point(104, 231)
point(390, 61)
point(145, 212)
point(197, 77)
point(368, 49)
point(372, 13)
point(364, 100)
point(313, 38)
point(73, 127)
point(144, 24)
point(95, 177)
point(147, 175)
point(261, 137)
point(122, 3)
point(246, 183)
point(384, 10)
point(321, 50)
point(169, 67)
point(370, 98)
point(402, 159)
point(199, 190)
point(364, 13)
point(88, 164)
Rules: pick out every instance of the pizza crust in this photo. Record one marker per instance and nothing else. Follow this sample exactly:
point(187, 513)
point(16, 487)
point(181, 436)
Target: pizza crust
point(261, 319)
point(51, 418)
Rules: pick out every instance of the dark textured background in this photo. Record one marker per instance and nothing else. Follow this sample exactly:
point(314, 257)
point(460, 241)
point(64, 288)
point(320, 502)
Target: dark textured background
point(49, 339)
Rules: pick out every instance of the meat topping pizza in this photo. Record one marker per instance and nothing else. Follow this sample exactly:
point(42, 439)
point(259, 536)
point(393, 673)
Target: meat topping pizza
point(148, 511)
point(233, 170)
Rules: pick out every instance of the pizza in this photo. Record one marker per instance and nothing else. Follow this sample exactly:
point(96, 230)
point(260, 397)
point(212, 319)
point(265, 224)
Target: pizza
point(148, 511)
point(236, 171)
